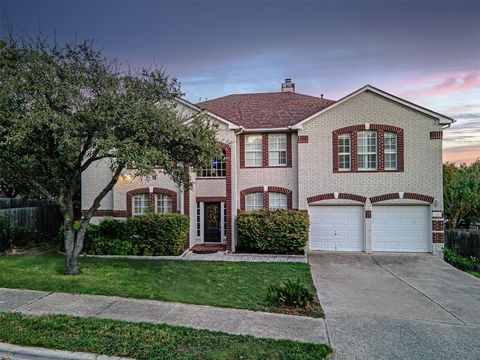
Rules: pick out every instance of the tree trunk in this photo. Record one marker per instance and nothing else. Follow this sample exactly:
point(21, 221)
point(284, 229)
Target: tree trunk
point(72, 266)
point(73, 239)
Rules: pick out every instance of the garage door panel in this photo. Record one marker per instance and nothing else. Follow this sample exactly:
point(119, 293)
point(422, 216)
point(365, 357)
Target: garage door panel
point(400, 228)
point(336, 228)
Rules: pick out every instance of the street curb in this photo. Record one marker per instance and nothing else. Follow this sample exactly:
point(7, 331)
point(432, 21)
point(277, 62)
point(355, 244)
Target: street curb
point(37, 353)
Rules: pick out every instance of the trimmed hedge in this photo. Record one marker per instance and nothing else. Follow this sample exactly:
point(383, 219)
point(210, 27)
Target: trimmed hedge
point(160, 234)
point(273, 231)
point(150, 235)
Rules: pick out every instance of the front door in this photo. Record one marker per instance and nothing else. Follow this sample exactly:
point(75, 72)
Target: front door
point(212, 222)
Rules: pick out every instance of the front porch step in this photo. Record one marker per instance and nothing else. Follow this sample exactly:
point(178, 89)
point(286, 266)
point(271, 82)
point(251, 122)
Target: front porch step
point(208, 248)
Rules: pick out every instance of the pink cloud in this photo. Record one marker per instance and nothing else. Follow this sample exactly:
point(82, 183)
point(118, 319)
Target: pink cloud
point(453, 82)
point(462, 154)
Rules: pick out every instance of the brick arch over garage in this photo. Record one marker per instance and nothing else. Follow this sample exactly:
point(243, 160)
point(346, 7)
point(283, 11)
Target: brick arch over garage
point(406, 195)
point(151, 197)
point(341, 196)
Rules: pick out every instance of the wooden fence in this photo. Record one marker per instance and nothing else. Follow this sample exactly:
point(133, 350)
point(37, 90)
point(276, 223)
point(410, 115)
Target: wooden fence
point(41, 215)
point(464, 242)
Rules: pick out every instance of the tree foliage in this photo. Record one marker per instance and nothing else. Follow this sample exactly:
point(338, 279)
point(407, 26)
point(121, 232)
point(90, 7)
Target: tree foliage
point(64, 107)
point(461, 192)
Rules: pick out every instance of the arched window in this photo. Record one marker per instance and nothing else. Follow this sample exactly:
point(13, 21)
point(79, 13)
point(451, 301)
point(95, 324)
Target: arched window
point(277, 201)
point(254, 201)
point(163, 204)
point(140, 204)
point(390, 149)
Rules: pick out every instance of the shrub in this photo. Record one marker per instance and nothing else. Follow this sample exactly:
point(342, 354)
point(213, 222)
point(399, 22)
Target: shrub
point(6, 233)
point(273, 231)
point(160, 234)
point(290, 293)
point(12, 235)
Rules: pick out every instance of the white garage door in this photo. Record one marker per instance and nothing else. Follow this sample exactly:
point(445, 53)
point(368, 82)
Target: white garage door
point(338, 228)
point(400, 228)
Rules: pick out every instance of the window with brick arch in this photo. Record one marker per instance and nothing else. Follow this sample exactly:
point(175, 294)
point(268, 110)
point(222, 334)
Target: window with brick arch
point(164, 204)
point(254, 201)
point(277, 201)
point(390, 150)
point(368, 147)
point(140, 204)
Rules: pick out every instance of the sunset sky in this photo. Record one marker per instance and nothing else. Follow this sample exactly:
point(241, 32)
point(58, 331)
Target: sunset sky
point(425, 52)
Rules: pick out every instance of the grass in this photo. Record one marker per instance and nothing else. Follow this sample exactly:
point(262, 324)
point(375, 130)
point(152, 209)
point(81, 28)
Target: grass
point(239, 285)
point(146, 341)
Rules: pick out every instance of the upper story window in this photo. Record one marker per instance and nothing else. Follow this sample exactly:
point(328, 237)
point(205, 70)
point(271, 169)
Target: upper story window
point(140, 204)
point(217, 168)
point(254, 201)
point(164, 204)
point(277, 201)
point(367, 150)
point(277, 149)
point(253, 150)
point(390, 150)
point(344, 152)
point(368, 147)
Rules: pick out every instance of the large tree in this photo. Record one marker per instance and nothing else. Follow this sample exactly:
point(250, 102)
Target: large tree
point(461, 192)
point(64, 107)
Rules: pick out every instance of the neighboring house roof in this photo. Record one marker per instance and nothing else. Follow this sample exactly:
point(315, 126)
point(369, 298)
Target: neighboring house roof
point(265, 110)
point(443, 120)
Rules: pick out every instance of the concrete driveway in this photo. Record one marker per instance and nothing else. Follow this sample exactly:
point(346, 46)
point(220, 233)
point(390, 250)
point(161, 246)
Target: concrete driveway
point(397, 306)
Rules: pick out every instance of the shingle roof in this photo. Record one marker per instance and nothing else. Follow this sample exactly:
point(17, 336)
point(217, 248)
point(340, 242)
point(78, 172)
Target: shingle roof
point(265, 110)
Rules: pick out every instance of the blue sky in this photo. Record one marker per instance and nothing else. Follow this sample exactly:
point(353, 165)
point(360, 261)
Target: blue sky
point(425, 52)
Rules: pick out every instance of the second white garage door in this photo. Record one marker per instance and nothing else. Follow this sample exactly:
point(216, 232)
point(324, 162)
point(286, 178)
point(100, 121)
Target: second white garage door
point(400, 228)
point(337, 228)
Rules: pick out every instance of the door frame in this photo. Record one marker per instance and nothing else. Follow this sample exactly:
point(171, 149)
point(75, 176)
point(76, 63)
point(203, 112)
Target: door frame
point(203, 222)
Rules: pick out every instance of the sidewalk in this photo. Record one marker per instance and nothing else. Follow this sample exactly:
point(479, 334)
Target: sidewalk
point(233, 321)
point(16, 352)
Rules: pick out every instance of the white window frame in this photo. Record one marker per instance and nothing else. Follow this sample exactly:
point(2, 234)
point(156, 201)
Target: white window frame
point(140, 204)
point(277, 150)
point(254, 201)
point(166, 202)
point(344, 137)
point(254, 148)
point(366, 153)
point(392, 149)
point(277, 200)
point(220, 171)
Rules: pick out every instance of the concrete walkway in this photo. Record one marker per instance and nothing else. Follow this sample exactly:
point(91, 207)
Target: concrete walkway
point(233, 321)
point(15, 352)
point(397, 306)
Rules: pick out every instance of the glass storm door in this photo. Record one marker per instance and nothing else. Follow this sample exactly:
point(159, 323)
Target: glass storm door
point(212, 222)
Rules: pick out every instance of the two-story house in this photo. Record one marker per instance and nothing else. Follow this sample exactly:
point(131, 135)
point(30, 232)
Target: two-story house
point(367, 168)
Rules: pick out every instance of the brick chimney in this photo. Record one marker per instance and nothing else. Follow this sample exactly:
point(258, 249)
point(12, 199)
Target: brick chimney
point(288, 86)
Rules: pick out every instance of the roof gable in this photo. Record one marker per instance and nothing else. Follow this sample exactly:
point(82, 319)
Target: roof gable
point(443, 120)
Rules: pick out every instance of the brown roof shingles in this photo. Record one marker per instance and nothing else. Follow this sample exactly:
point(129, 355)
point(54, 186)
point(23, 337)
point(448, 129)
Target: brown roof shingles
point(265, 110)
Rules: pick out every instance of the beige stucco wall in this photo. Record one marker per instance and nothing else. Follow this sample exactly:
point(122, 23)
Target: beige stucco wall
point(282, 177)
point(423, 157)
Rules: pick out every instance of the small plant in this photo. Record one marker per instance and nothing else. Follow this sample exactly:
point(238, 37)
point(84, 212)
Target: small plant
point(290, 293)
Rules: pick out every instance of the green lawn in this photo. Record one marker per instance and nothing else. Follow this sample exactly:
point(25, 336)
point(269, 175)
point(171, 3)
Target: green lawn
point(146, 341)
point(226, 284)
